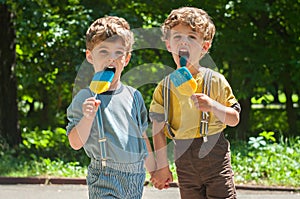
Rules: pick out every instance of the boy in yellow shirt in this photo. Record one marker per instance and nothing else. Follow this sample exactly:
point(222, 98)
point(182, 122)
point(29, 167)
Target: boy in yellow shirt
point(195, 123)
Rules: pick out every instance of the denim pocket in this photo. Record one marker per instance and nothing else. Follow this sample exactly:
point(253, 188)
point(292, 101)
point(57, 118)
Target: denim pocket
point(93, 175)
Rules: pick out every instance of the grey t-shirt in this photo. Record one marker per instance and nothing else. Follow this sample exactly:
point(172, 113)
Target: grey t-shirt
point(124, 119)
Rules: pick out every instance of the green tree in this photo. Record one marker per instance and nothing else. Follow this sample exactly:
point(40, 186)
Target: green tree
point(9, 128)
point(49, 51)
point(258, 46)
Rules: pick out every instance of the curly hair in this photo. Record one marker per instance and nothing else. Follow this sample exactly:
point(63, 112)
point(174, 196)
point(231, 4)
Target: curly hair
point(196, 18)
point(109, 28)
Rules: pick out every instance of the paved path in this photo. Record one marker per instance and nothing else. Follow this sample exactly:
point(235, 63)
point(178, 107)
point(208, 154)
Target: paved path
point(80, 192)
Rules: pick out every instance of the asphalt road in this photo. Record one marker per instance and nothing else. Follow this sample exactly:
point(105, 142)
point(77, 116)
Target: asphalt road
point(37, 191)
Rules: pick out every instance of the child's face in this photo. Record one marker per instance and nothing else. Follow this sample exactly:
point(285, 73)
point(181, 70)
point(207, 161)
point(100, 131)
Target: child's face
point(184, 41)
point(109, 54)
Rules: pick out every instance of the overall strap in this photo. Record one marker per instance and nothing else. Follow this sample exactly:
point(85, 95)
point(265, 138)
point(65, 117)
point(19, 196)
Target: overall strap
point(205, 115)
point(102, 138)
point(166, 97)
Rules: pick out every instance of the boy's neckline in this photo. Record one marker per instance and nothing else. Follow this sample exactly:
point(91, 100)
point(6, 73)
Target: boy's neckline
point(117, 86)
point(114, 91)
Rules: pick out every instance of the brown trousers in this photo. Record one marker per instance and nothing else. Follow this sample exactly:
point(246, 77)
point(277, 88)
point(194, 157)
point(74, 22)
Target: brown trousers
point(204, 169)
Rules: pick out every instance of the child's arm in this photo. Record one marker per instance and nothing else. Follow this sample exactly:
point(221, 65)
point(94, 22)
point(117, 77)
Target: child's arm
point(150, 160)
point(227, 115)
point(80, 133)
point(163, 175)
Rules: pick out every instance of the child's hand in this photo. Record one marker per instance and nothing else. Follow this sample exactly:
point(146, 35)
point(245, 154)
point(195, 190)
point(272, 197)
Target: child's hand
point(202, 102)
point(161, 178)
point(90, 107)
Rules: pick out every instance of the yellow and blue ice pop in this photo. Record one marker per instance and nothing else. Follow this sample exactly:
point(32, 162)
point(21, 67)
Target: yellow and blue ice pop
point(102, 80)
point(183, 79)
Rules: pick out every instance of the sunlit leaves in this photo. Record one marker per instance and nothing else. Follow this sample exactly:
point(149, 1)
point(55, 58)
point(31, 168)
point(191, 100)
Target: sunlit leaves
point(50, 42)
point(267, 163)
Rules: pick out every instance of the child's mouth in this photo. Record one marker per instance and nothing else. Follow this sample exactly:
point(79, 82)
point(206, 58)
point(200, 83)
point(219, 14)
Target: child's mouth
point(183, 57)
point(110, 68)
point(184, 53)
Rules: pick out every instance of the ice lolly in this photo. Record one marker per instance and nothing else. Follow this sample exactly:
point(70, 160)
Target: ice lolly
point(183, 79)
point(102, 80)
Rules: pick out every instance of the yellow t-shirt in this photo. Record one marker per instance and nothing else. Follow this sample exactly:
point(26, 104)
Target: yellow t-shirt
point(184, 117)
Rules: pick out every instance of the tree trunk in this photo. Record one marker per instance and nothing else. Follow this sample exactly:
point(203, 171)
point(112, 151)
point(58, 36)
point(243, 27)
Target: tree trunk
point(243, 126)
point(276, 94)
point(298, 102)
point(9, 129)
point(291, 112)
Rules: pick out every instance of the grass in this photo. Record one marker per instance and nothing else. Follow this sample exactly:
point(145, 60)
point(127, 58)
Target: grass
point(266, 162)
point(42, 168)
point(260, 161)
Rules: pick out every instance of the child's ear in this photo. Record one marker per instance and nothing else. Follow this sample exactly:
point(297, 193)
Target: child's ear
point(127, 59)
point(168, 46)
point(206, 46)
point(88, 56)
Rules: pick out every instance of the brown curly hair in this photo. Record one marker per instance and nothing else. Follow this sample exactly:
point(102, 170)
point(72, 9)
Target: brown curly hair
point(196, 18)
point(109, 28)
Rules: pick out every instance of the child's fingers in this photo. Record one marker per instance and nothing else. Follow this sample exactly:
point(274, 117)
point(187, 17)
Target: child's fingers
point(92, 101)
point(195, 100)
point(97, 103)
point(167, 183)
point(90, 107)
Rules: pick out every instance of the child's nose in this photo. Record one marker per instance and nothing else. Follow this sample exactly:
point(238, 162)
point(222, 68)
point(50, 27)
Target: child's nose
point(113, 56)
point(184, 40)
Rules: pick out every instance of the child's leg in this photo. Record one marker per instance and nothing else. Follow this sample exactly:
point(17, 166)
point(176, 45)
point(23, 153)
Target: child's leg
point(218, 174)
point(111, 183)
point(190, 183)
point(204, 170)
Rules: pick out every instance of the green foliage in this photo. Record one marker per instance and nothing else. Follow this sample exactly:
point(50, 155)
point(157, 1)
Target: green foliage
point(48, 52)
point(40, 167)
point(45, 139)
point(264, 160)
point(267, 162)
point(269, 120)
point(269, 136)
point(43, 153)
point(257, 142)
point(261, 140)
point(50, 144)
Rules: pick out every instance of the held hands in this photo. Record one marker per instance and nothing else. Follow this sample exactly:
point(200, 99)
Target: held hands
point(202, 102)
point(90, 107)
point(161, 178)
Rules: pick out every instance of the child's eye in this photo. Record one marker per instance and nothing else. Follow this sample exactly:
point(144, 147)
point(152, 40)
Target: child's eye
point(103, 52)
point(192, 37)
point(120, 53)
point(176, 37)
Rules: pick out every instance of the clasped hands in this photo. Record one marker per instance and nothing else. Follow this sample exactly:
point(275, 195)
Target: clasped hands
point(161, 178)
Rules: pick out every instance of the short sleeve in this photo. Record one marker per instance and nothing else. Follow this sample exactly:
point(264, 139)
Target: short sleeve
point(226, 94)
point(143, 112)
point(74, 111)
point(156, 111)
